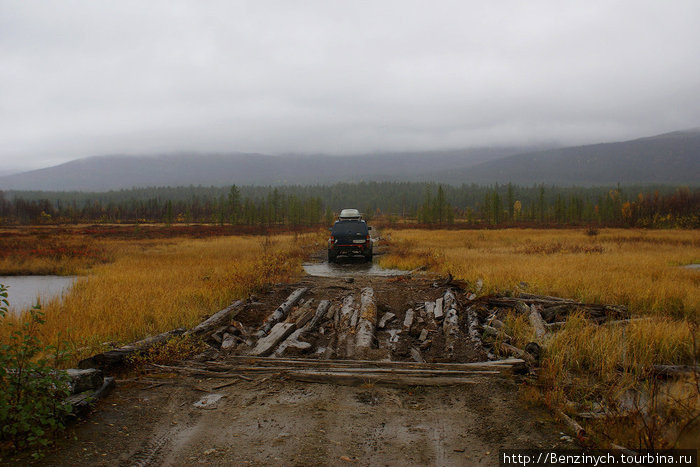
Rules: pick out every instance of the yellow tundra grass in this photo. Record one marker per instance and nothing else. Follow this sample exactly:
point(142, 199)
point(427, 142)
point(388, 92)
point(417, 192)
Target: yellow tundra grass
point(592, 366)
point(636, 268)
point(154, 286)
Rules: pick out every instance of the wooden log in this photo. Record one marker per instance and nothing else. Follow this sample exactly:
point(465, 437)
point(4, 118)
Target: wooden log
point(278, 333)
point(238, 362)
point(545, 297)
point(676, 370)
point(321, 311)
point(282, 311)
point(345, 344)
point(117, 357)
point(497, 333)
point(517, 352)
point(364, 338)
point(537, 322)
point(415, 354)
point(437, 311)
point(423, 335)
point(473, 325)
point(430, 310)
point(82, 402)
point(85, 380)
point(496, 323)
point(386, 317)
point(228, 341)
point(448, 301)
point(450, 325)
point(408, 320)
point(217, 320)
point(577, 429)
point(359, 379)
point(555, 326)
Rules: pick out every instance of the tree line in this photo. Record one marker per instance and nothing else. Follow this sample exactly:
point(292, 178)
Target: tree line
point(423, 203)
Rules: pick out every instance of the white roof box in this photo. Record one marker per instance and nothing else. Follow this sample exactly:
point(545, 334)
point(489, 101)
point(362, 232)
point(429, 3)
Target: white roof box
point(347, 214)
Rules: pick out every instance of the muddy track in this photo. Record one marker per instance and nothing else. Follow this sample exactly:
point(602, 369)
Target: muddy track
point(401, 390)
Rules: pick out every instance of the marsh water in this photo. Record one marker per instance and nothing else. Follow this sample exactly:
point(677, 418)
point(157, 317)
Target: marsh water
point(24, 291)
point(349, 267)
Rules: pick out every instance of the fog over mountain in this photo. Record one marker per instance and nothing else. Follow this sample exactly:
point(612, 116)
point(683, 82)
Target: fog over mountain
point(672, 158)
point(81, 78)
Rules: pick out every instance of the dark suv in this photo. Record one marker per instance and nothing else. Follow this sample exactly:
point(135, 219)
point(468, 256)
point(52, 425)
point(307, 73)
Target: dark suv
point(349, 237)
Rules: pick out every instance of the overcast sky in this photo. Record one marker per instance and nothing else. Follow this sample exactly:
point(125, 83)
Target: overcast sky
point(81, 78)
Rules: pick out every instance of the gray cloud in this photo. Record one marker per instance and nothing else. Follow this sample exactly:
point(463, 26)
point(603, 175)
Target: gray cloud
point(80, 78)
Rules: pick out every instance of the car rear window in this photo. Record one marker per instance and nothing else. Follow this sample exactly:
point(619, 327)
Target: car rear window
point(349, 228)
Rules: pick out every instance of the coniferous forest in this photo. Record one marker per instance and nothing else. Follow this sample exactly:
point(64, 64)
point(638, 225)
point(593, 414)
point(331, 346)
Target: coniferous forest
point(392, 202)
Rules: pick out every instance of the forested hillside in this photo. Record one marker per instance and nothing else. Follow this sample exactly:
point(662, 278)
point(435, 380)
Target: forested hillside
point(425, 203)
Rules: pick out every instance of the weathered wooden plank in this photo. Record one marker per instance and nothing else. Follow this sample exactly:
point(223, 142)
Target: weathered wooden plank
point(266, 345)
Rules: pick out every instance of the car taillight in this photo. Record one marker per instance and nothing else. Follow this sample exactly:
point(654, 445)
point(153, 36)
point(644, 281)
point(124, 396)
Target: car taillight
point(368, 238)
point(332, 238)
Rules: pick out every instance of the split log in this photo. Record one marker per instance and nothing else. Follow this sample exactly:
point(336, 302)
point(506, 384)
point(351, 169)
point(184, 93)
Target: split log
point(577, 429)
point(228, 341)
point(116, 357)
point(82, 402)
point(364, 338)
point(430, 310)
point(497, 333)
point(510, 349)
point(359, 379)
point(437, 311)
point(423, 335)
point(345, 344)
point(321, 311)
point(537, 322)
point(217, 320)
point(415, 354)
point(267, 344)
point(388, 316)
point(408, 320)
point(282, 311)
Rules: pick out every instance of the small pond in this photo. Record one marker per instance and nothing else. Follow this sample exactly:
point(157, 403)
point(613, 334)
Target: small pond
point(23, 291)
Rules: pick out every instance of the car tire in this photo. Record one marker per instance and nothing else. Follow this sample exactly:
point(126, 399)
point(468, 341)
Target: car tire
point(368, 257)
point(331, 256)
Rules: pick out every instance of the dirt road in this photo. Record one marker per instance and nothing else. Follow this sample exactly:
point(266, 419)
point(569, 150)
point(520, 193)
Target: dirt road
point(176, 417)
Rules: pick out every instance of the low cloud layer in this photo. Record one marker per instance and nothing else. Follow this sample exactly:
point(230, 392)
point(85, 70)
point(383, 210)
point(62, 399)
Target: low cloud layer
point(81, 78)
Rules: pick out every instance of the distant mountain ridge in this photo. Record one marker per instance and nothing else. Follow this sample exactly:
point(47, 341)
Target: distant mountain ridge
point(100, 173)
point(671, 158)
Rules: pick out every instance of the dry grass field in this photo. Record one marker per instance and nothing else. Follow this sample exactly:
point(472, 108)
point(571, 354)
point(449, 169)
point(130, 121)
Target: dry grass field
point(603, 368)
point(132, 288)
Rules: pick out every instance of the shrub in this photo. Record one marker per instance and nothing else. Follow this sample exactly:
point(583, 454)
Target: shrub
point(32, 392)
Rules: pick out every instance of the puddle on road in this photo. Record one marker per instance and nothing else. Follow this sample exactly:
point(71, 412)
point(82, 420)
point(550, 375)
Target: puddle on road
point(349, 267)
